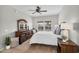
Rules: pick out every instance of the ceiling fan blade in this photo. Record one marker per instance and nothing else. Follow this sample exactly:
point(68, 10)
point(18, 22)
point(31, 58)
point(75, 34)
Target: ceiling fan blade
point(43, 11)
point(33, 12)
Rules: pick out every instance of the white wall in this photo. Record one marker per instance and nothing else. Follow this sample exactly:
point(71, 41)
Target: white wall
point(53, 18)
point(8, 21)
point(71, 15)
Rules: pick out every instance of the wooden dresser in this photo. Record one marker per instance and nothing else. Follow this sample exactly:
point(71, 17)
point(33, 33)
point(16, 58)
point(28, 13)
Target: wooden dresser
point(23, 35)
point(23, 31)
point(66, 47)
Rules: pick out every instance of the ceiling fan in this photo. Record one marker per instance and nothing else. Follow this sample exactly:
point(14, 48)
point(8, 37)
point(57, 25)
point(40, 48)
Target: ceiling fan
point(38, 10)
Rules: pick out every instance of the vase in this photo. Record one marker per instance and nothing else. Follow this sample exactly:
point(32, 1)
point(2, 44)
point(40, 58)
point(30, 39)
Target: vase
point(8, 47)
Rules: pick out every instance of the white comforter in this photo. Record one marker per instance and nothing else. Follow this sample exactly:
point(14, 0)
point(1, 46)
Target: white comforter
point(44, 37)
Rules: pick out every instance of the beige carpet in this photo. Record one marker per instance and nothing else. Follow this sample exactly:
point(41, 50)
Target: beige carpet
point(34, 48)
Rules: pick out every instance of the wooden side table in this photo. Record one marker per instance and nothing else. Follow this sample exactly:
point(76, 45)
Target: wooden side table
point(66, 47)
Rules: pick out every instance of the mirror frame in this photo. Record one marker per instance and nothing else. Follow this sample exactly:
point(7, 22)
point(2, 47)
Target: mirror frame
point(18, 26)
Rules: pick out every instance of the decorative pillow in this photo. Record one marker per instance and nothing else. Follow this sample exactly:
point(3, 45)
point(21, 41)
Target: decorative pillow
point(57, 30)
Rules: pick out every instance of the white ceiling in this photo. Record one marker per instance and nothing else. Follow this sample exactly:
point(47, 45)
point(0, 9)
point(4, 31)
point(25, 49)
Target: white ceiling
point(51, 9)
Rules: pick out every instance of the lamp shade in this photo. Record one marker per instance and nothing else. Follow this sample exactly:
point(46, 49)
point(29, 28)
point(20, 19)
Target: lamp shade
point(65, 26)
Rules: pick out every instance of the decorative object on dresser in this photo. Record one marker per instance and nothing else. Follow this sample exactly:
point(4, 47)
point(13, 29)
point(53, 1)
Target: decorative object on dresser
point(66, 47)
point(23, 31)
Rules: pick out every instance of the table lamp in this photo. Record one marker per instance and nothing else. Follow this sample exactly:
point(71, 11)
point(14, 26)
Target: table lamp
point(65, 27)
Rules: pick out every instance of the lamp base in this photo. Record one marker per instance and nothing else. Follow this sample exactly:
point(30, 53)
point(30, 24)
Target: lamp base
point(65, 40)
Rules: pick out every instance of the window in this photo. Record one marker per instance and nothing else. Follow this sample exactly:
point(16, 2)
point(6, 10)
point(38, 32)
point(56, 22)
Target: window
point(44, 25)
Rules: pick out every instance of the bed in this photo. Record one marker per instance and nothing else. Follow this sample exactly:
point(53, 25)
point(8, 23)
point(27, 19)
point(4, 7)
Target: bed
point(44, 37)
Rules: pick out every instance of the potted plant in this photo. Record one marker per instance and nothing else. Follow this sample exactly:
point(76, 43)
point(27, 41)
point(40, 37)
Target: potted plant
point(7, 42)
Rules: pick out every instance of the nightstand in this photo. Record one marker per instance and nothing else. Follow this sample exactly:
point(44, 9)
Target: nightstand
point(66, 47)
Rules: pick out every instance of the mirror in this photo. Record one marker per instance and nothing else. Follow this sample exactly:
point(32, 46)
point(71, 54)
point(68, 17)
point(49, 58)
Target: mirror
point(22, 25)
